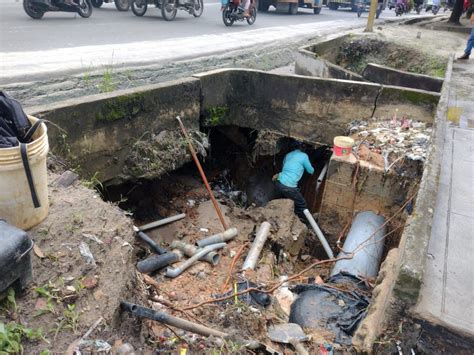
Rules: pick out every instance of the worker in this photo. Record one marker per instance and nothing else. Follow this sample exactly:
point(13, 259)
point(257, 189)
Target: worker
point(286, 184)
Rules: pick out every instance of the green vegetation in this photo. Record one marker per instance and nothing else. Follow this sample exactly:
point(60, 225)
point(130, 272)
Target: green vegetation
point(121, 107)
point(13, 334)
point(107, 83)
point(216, 114)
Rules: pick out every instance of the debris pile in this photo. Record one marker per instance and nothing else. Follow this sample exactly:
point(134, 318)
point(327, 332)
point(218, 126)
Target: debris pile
point(386, 142)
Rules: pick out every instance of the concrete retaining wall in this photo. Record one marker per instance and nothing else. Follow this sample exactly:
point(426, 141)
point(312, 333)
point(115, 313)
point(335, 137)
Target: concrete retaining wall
point(389, 76)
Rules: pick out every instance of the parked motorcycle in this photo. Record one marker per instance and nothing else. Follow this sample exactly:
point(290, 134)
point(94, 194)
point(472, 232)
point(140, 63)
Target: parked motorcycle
point(234, 11)
point(400, 9)
point(435, 9)
point(169, 8)
point(418, 5)
point(36, 8)
point(121, 5)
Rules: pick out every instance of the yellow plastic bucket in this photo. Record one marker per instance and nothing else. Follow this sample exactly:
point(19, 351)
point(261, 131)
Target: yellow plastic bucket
point(16, 204)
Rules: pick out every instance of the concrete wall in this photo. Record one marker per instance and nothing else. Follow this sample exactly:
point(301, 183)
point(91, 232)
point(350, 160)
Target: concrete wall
point(389, 76)
point(97, 132)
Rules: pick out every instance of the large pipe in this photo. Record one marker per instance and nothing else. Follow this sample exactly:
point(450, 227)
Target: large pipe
point(162, 222)
point(365, 240)
point(218, 238)
point(203, 176)
point(165, 318)
point(257, 246)
point(321, 176)
point(319, 233)
point(156, 248)
point(174, 272)
point(190, 250)
point(156, 262)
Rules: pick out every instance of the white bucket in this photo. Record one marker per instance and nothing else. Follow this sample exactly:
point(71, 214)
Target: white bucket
point(16, 204)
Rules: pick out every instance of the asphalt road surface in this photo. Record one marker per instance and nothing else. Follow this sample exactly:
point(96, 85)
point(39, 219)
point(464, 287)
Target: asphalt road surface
point(20, 33)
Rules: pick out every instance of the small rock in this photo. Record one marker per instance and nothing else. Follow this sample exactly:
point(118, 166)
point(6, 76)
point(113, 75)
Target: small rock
point(69, 290)
point(201, 275)
point(125, 349)
point(305, 257)
point(89, 283)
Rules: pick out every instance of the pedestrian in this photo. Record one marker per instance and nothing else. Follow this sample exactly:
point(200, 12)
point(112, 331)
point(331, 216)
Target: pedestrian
point(286, 184)
point(470, 43)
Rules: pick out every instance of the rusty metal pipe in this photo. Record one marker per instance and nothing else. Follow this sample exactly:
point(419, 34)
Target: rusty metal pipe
point(203, 175)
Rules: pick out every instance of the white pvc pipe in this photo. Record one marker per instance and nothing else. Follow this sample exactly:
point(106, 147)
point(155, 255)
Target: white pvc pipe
point(320, 234)
point(218, 238)
point(321, 176)
point(162, 222)
point(257, 246)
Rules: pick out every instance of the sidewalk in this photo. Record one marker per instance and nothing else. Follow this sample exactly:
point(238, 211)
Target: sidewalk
point(447, 293)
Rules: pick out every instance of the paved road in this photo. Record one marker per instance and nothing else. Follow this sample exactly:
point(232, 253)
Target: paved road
point(20, 33)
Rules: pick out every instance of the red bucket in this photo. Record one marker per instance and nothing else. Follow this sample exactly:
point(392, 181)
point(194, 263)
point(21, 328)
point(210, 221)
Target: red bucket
point(342, 145)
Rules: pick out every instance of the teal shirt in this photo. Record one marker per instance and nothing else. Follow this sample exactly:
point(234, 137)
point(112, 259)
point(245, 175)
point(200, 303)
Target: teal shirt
point(294, 166)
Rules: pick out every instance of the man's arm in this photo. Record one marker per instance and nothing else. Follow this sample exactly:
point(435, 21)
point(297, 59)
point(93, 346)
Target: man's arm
point(307, 165)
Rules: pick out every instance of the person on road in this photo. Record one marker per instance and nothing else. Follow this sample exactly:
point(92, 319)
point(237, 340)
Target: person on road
point(470, 43)
point(286, 185)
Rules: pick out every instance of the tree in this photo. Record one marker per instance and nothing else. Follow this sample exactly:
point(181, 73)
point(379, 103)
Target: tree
point(457, 12)
point(371, 18)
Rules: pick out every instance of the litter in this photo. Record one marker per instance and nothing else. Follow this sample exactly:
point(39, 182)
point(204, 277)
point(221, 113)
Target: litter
point(86, 253)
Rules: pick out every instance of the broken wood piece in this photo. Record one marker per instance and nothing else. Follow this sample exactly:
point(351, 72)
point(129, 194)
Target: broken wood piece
point(165, 318)
point(161, 222)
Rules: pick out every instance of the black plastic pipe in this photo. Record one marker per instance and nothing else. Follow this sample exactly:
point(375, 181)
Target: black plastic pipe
point(156, 248)
point(165, 318)
point(156, 262)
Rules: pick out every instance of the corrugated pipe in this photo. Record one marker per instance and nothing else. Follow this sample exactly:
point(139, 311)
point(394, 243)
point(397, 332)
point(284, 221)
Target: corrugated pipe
point(162, 222)
point(365, 238)
point(320, 234)
point(165, 318)
point(218, 238)
point(190, 250)
point(173, 272)
point(156, 262)
point(257, 246)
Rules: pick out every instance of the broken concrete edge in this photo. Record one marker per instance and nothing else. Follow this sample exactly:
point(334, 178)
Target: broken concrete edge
point(389, 76)
point(370, 327)
point(416, 235)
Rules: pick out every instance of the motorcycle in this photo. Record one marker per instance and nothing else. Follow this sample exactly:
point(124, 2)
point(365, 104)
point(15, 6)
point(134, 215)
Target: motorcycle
point(234, 11)
point(400, 9)
point(169, 8)
point(435, 9)
point(418, 6)
point(36, 8)
point(121, 5)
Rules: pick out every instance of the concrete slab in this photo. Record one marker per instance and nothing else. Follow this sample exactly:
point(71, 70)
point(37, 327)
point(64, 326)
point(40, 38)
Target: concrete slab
point(447, 293)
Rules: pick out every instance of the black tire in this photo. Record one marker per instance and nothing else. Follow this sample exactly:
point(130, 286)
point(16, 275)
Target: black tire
point(122, 5)
point(97, 3)
point(169, 9)
point(139, 7)
point(263, 5)
point(333, 6)
point(253, 15)
point(228, 21)
point(32, 10)
point(85, 8)
point(198, 8)
point(293, 8)
point(316, 10)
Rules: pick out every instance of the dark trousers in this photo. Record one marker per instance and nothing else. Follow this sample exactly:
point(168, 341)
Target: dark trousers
point(292, 193)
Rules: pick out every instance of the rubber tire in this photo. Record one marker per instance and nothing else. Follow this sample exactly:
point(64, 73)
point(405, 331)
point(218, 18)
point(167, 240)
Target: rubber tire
point(87, 12)
point(33, 13)
point(333, 6)
point(122, 5)
point(316, 10)
point(253, 16)
point(263, 5)
point(293, 8)
point(138, 11)
point(169, 16)
point(201, 8)
point(227, 21)
point(97, 3)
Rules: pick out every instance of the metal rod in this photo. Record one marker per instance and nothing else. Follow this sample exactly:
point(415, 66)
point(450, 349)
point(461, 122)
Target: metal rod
point(165, 318)
point(257, 246)
point(203, 175)
point(320, 234)
point(162, 222)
